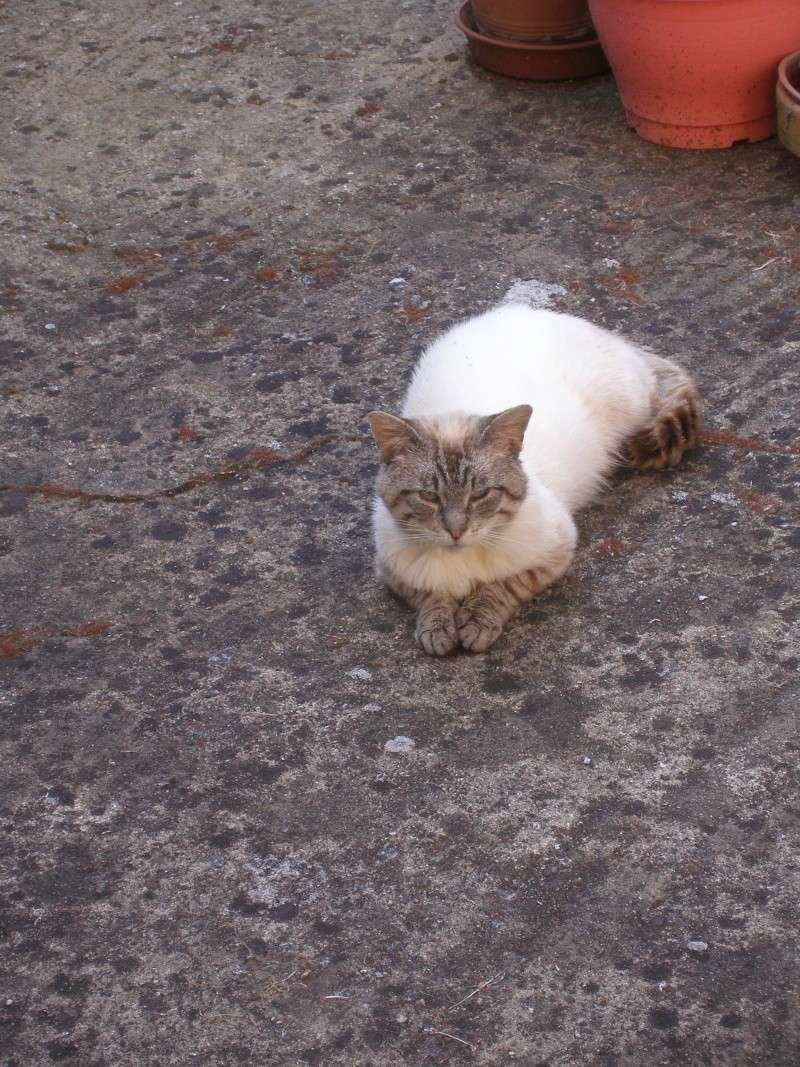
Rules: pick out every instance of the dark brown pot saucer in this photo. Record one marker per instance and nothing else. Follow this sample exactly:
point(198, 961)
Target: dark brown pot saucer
point(531, 61)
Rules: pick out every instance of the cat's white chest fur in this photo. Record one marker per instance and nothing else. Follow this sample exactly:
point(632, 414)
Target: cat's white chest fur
point(541, 536)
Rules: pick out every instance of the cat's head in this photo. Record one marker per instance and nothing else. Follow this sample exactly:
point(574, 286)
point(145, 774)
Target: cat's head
point(454, 480)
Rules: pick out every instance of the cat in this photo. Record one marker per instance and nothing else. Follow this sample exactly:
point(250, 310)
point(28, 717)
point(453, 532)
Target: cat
point(512, 422)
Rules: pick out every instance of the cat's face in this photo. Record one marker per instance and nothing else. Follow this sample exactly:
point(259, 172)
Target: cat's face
point(451, 481)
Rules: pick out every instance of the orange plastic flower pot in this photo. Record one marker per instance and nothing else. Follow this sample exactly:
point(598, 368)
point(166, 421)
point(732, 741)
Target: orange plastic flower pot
point(698, 73)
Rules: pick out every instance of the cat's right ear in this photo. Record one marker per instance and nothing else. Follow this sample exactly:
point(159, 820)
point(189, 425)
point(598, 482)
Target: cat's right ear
point(393, 436)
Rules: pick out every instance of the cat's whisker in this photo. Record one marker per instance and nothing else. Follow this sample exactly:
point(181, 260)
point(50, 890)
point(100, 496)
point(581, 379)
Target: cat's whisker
point(495, 539)
point(414, 539)
point(499, 542)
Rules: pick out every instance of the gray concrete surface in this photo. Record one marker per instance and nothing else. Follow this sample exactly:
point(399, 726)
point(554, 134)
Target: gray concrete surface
point(208, 856)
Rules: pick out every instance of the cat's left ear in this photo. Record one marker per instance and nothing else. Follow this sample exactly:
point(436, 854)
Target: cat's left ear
point(505, 431)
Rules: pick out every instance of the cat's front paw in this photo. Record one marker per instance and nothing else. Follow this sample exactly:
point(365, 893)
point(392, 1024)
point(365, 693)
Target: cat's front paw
point(478, 628)
point(437, 634)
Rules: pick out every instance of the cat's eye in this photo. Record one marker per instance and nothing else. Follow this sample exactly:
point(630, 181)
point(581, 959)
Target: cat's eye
point(429, 498)
point(481, 494)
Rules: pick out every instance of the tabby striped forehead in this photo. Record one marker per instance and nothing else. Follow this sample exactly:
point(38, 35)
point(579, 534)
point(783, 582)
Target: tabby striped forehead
point(453, 438)
point(453, 468)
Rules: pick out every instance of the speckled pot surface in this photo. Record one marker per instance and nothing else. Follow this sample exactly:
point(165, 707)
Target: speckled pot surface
point(697, 73)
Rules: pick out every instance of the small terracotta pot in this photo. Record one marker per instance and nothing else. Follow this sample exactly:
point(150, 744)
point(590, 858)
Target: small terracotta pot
point(533, 20)
point(787, 97)
point(697, 73)
point(531, 60)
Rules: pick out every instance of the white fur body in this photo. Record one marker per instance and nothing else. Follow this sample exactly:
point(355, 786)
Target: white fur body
point(589, 390)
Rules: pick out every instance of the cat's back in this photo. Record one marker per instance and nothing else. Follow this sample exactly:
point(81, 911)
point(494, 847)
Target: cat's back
point(509, 331)
point(514, 353)
point(485, 362)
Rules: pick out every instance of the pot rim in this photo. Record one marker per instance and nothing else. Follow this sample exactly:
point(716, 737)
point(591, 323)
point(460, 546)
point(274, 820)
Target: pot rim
point(791, 90)
point(516, 46)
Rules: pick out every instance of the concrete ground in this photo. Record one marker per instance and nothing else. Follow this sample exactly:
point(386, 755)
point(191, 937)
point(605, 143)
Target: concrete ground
point(209, 857)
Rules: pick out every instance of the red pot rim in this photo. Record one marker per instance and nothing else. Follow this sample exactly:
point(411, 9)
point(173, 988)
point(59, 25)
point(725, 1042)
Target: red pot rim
point(790, 88)
point(516, 46)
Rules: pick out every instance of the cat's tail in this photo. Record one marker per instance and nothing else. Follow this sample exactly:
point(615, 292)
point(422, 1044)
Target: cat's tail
point(675, 419)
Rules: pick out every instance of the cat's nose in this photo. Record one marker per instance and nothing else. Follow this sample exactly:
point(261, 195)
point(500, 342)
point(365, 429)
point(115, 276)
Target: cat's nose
point(456, 534)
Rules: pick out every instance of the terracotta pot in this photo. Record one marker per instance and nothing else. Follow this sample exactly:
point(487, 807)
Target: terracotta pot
point(787, 96)
point(697, 73)
point(533, 20)
point(531, 60)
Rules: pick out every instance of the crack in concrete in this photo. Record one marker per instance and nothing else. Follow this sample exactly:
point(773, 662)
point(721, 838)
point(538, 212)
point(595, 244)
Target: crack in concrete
point(255, 460)
point(745, 444)
point(22, 640)
point(260, 458)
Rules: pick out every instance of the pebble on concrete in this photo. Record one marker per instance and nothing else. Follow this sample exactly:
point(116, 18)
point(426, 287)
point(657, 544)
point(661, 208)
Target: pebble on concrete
point(400, 745)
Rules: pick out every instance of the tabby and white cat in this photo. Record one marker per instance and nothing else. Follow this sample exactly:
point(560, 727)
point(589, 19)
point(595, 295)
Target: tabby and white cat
point(474, 505)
